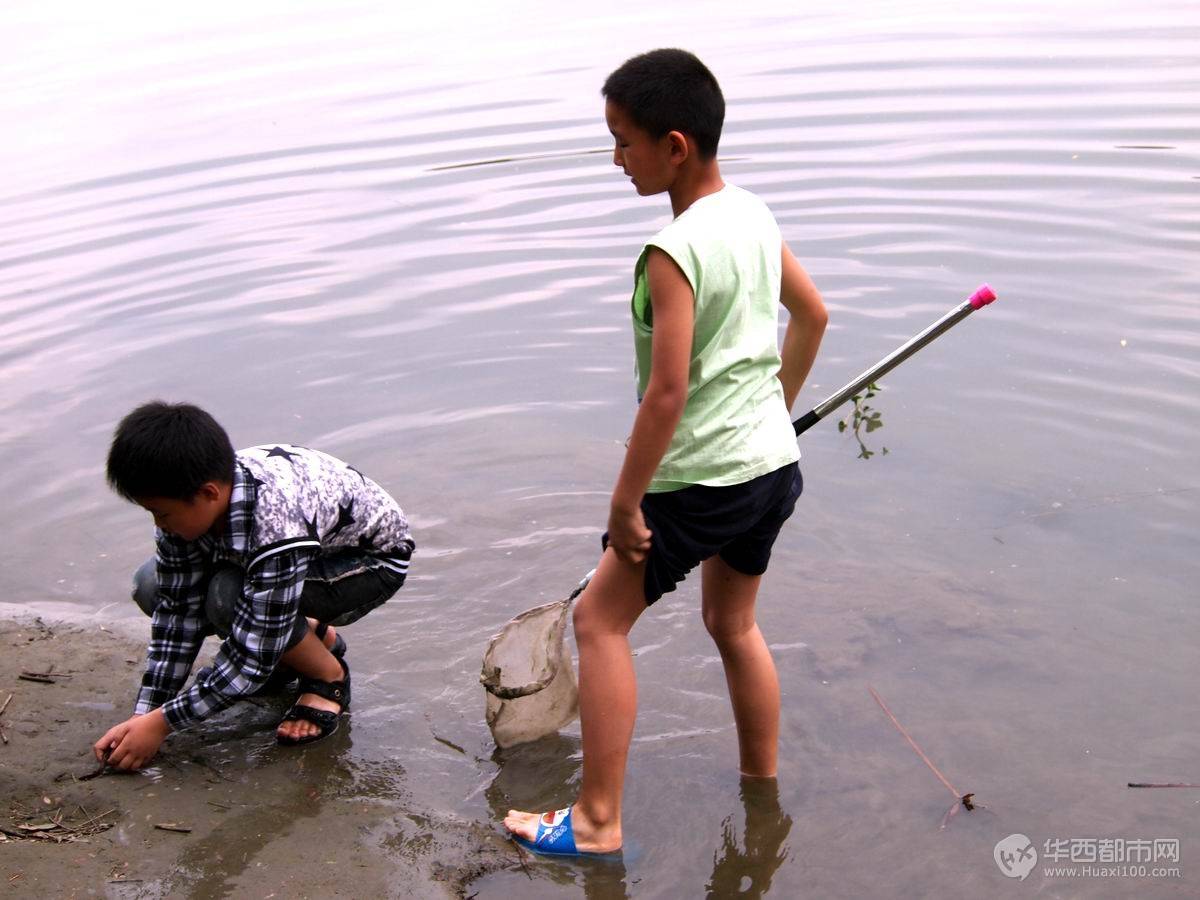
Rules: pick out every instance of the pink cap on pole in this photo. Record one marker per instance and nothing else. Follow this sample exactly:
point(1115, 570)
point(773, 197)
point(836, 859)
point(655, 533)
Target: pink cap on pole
point(982, 297)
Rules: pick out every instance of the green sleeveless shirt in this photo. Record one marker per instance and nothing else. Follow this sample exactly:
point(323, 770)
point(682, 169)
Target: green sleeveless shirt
point(735, 425)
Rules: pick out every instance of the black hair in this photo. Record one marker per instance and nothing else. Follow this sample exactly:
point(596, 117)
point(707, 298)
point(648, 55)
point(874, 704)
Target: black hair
point(168, 450)
point(670, 90)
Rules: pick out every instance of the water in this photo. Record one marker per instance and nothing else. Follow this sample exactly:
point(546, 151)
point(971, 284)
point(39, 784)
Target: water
point(397, 236)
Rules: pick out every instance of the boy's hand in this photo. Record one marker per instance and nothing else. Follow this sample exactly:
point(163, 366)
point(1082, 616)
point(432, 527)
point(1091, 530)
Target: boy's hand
point(628, 535)
point(134, 742)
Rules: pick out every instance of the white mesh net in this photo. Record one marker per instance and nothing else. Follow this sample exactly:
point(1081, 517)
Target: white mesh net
point(529, 676)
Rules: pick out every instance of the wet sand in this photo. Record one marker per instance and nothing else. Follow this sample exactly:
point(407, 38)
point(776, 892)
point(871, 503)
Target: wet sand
point(244, 817)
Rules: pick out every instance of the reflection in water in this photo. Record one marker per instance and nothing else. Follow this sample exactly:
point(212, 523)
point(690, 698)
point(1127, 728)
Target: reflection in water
point(747, 870)
point(604, 879)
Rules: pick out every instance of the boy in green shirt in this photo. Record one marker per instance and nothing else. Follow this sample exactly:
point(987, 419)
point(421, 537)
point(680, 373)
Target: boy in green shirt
point(710, 473)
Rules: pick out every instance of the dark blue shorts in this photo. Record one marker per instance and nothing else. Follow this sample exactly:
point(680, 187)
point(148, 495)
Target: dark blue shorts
point(739, 523)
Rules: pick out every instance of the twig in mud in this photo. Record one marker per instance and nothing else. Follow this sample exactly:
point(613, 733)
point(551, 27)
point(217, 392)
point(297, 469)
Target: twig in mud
point(55, 829)
point(171, 826)
point(50, 674)
point(38, 827)
point(98, 771)
point(96, 819)
point(217, 805)
point(450, 744)
point(1173, 784)
point(967, 800)
point(40, 679)
point(521, 858)
point(4, 705)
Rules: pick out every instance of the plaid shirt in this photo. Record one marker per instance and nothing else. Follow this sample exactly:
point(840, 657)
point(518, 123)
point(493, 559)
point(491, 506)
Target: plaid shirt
point(262, 620)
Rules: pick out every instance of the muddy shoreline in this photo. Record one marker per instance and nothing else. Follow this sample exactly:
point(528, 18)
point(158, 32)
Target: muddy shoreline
point(220, 812)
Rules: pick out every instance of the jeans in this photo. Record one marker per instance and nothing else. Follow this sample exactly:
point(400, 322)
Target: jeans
point(339, 588)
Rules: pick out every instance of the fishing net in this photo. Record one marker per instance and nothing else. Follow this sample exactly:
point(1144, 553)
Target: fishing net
point(529, 676)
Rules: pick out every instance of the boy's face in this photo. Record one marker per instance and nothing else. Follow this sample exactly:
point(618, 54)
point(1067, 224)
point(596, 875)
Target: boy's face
point(651, 163)
point(187, 519)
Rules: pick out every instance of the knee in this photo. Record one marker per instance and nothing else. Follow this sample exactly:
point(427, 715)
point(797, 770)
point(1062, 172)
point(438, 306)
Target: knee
point(726, 629)
point(145, 586)
point(584, 622)
point(224, 589)
point(590, 621)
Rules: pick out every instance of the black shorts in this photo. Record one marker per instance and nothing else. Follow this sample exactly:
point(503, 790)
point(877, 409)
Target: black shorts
point(739, 522)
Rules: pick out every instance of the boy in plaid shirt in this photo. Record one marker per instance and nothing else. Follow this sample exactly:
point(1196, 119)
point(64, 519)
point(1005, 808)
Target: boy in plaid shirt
point(269, 548)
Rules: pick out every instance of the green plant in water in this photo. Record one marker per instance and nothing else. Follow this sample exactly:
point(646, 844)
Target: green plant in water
point(863, 418)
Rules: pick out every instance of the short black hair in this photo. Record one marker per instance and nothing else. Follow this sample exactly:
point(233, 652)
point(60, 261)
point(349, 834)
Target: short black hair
point(670, 90)
point(168, 450)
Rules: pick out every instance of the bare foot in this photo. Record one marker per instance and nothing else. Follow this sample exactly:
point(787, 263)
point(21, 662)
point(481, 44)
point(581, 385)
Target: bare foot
point(298, 729)
point(589, 838)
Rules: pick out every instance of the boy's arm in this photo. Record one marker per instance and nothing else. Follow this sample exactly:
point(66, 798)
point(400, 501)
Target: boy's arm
point(176, 626)
point(673, 305)
point(176, 633)
point(262, 625)
point(806, 325)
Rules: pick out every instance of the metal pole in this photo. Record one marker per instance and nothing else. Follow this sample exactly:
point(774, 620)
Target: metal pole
point(981, 298)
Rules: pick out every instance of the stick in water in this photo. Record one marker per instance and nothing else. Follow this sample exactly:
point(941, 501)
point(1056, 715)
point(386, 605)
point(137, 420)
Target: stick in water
point(967, 800)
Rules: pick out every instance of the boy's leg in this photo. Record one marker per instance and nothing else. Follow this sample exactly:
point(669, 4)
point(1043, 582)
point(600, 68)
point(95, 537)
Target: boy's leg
point(604, 615)
point(728, 609)
point(339, 588)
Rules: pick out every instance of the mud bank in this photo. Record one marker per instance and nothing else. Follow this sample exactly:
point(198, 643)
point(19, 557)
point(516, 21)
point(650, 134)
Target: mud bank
point(221, 812)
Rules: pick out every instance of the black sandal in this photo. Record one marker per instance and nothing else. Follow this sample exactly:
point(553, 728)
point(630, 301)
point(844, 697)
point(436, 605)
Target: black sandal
point(326, 721)
point(339, 646)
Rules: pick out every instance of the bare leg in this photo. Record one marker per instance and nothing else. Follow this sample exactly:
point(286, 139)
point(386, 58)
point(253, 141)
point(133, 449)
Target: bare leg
point(311, 658)
point(728, 608)
point(604, 614)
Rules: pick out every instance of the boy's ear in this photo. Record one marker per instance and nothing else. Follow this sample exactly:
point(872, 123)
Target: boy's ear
point(209, 491)
point(677, 144)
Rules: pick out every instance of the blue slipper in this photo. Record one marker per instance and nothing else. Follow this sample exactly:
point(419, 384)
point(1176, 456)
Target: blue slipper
point(556, 837)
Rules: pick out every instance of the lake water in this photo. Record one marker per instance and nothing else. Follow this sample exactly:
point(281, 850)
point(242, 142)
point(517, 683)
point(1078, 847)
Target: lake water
point(397, 235)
